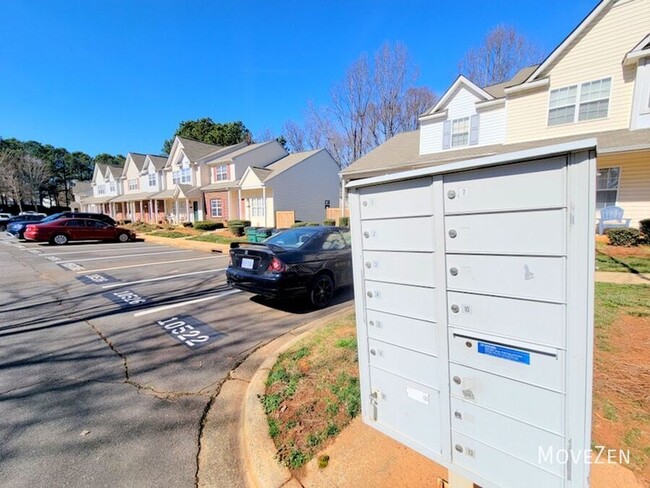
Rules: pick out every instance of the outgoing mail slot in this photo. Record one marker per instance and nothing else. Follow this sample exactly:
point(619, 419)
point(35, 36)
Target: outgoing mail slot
point(407, 408)
point(542, 366)
point(505, 434)
point(413, 234)
point(505, 471)
point(399, 267)
point(538, 406)
point(517, 186)
point(402, 199)
point(418, 335)
point(538, 322)
point(536, 232)
point(540, 278)
point(404, 362)
point(409, 301)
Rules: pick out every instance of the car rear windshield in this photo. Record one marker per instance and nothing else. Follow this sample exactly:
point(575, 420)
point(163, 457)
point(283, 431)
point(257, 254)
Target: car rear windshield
point(293, 238)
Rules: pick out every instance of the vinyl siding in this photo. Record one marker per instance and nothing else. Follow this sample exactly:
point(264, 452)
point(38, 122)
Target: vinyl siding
point(260, 158)
point(492, 126)
point(132, 173)
point(597, 53)
point(634, 184)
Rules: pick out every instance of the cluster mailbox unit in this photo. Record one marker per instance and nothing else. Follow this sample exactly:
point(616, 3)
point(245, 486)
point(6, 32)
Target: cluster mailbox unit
point(474, 301)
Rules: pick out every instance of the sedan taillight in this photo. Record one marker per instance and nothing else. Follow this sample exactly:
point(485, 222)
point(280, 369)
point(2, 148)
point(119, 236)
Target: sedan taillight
point(276, 266)
point(30, 227)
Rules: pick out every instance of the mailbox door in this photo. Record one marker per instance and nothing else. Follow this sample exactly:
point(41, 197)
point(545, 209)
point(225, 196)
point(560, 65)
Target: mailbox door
point(410, 301)
point(406, 407)
point(412, 365)
point(418, 335)
point(414, 234)
point(409, 268)
point(402, 199)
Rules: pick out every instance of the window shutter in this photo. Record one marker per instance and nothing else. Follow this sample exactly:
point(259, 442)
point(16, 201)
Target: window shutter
point(446, 134)
point(473, 130)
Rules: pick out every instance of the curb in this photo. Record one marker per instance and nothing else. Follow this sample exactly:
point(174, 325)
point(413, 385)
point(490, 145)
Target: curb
point(186, 244)
point(258, 449)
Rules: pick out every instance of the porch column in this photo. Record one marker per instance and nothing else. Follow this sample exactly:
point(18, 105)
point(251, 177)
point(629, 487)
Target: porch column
point(239, 215)
point(155, 209)
point(151, 211)
point(187, 209)
point(177, 219)
point(142, 211)
point(264, 205)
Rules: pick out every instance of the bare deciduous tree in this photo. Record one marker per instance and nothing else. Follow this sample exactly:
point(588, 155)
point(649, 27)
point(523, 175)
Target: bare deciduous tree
point(504, 52)
point(295, 136)
point(22, 176)
point(416, 102)
point(10, 178)
point(35, 174)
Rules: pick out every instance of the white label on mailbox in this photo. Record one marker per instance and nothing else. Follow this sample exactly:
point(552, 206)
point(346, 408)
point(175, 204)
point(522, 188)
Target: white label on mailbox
point(417, 395)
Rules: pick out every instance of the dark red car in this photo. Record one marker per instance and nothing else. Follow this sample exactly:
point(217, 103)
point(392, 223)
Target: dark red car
point(61, 231)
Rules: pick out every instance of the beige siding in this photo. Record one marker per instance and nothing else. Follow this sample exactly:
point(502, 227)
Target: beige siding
point(634, 184)
point(597, 53)
point(131, 173)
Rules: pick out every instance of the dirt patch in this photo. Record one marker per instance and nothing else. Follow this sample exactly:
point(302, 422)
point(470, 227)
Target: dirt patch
point(620, 251)
point(622, 392)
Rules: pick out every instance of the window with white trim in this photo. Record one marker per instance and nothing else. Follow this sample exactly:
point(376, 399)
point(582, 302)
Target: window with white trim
point(591, 99)
point(460, 132)
point(101, 189)
point(153, 181)
point(186, 175)
point(133, 184)
point(257, 207)
point(112, 187)
point(607, 182)
point(216, 207)
point(221, 172)
point(176, 177)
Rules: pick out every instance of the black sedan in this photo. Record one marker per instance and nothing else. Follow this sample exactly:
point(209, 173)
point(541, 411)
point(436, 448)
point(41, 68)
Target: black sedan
point(311, 261)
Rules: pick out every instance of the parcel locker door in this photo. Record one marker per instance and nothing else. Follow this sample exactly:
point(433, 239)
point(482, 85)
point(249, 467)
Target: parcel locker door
point(412, 365)
point(541, 184)
point(418, 335)
point(412, 234)
point(511, 436)
point(406, 407)
point(505, 471)
point(542, 366)
point(539, 232)
point(409, 268)
point(541, 278)
point(537, 406)
point(410, 301)
point(402, 199)
point(538, 322)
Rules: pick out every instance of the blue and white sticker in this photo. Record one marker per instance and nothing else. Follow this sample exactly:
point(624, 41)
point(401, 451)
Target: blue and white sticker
point(504, 352)
point(190, 331)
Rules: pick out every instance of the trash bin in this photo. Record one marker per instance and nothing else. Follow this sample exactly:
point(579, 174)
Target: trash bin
point(251, 234)
point(263, 233)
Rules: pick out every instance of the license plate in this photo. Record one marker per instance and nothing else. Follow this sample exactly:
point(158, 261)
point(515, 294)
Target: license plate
point(247, 263)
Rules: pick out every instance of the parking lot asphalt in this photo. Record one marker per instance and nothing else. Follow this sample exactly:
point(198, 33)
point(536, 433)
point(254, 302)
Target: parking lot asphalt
point(112, 355)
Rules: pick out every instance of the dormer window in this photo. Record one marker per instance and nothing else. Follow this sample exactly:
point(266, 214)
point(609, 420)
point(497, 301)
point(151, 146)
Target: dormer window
point(176, 177)
point(133, 184)
point(112, 187)
point(591, 97)
point(186, 175)
point(101, 189)
point(221, 172)
point(460, 132)
point(153, 181)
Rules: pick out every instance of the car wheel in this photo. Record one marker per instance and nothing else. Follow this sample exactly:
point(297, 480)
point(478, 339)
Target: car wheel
point(59, 239)
point(123, 237)
point(3, 228)
point(321, 291)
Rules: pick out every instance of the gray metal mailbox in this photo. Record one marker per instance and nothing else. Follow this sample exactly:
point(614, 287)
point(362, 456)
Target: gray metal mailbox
point(474, 286)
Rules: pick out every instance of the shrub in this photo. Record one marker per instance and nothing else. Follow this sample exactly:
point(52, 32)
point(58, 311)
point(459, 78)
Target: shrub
point(312, 224)
point(236, 227)
point(124, 222)
point(344, 222)
point(299, 224)
point(208, 225)
point(625, 236)
point(329, 222)
point(644, 227)
point(188, 224)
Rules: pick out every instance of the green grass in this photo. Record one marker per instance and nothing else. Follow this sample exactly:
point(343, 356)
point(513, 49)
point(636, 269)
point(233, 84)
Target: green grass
point(217, 239)
point(609, 411)
point(621, 264)
point(170, 234)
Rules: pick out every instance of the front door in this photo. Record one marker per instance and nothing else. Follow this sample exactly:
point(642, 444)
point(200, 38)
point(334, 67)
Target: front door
point(195, 209)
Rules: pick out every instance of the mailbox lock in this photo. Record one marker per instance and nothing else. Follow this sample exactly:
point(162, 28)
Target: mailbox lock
point(366, 234)
point(372, 323)
point(453, 233)
point(468, 344)
point(458, 415)
point(453, 271)
point(451, 194)
point(370, 294)
point(459, 448)
point(455, 308)
point(365, 204)
point(368, 264)
point(373, 352)
point(457, 380)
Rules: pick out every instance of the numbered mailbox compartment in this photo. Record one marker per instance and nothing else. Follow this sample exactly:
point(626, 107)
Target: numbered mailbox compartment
point(514, 437)
point(541, 278)
point(418, 335)
point(411, 268)
point(540, 184)
point(535, 232)
point(503, 470)
point(537, 322)
point(406, 363)
point(537, 406)
point(405, 234)
point(406, 407)
point(402, 199)
point(409, 301)
point(541, 366)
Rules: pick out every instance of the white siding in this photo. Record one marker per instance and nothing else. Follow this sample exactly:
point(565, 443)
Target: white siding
point(431, 136)
point(492, 126)
point(305, 187)
point(260, 157)
point(462, 104)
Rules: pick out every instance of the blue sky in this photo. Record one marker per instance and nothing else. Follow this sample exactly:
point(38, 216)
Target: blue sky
point(118, 76)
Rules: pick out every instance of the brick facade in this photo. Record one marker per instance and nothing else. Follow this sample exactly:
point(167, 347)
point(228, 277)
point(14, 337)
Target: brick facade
point(217, 195)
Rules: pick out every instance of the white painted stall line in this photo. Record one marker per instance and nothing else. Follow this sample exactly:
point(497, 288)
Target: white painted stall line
point(126, 256)
point(159, 263)
point(163, 278)
point(114, 249)
point(184, 304)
